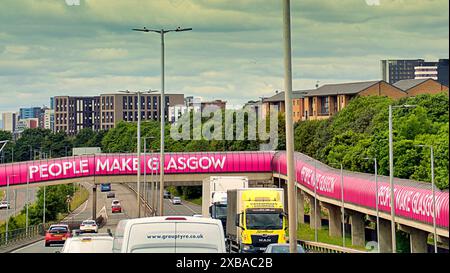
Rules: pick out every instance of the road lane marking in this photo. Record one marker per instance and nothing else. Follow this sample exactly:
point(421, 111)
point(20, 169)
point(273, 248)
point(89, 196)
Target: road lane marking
point(28, 246)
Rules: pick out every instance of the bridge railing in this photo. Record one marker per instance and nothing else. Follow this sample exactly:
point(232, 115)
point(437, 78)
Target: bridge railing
point(22, 234)
point(326, 248)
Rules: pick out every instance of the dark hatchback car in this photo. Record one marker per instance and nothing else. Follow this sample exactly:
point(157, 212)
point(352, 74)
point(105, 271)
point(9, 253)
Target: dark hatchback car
point(167, 195)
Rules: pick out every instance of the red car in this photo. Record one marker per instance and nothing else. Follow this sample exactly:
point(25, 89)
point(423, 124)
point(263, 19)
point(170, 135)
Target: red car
point(57, 234)
point(116, 208)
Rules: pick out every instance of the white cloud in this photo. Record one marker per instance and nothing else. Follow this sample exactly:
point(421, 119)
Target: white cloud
point(107, 53)
point(234, 53)
point(15, 50)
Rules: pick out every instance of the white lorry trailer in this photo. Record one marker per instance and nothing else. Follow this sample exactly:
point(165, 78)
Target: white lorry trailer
point(214, 203)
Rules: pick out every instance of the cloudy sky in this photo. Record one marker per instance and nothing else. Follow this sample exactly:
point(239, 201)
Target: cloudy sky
point(49, 48)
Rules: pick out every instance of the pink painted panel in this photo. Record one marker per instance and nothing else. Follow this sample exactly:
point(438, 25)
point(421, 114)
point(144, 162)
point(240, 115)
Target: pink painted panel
point(410, 202)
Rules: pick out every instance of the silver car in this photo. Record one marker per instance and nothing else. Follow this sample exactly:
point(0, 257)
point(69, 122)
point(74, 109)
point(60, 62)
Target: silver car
point(282, 248)
point(5, 205)
point(176, 201)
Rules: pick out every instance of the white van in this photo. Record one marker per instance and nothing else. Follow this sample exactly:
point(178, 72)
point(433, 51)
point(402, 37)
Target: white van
point(95, 243)
point(169, 234)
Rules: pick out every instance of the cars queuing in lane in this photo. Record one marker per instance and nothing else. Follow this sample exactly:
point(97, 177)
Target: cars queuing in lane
point(176, 200)
point(105, 187)
point(282, 248)
point(5, 205)
point(57, 234)
point(116, 207)
point(89, 226)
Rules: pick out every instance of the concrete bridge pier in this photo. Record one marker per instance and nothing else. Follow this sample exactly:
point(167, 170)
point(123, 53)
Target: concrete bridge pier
point(313, 214)
point(443, 241)
point(94, 202)
point(300, 207)
point(385, 240)
point(417, 239)
point(334, 219)
point(358, 228)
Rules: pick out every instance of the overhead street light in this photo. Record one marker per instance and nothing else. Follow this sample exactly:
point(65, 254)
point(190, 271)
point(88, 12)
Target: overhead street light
point(433, 189)
point(3, 144)
point(391, 173)
point(163, 104)
point(138, 93)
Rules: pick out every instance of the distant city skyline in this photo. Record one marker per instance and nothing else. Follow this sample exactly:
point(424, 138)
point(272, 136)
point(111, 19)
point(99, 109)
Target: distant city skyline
point(234, 52)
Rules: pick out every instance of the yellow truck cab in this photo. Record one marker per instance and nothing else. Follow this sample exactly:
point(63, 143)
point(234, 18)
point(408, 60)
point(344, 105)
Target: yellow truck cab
point(256, 218)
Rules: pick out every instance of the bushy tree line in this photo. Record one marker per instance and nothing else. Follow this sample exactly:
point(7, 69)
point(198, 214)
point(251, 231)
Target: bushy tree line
point(55, 204)
point(122, 138)
point(362, 130)
point(37, 141)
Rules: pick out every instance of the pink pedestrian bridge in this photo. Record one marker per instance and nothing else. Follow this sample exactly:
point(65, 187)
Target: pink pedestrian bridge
point(413, 199)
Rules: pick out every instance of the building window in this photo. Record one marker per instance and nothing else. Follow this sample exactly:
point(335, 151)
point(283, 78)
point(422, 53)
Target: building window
point(149, 102)
point(324, 105)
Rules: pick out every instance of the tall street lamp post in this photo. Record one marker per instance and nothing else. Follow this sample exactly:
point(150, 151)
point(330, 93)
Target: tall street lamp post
point(433, 189)
point(138, 93)
point(162, 32)
point(289, 126)
point(391, 174)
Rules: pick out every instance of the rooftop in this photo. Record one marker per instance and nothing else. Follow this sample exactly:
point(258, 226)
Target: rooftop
point(298, 94)
point(342, 88)
point(408, 84)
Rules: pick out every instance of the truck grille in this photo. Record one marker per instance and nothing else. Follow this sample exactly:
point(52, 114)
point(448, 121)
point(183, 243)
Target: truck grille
point(264, 240)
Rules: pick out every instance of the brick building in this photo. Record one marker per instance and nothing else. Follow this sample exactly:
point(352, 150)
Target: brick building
point(422, 86)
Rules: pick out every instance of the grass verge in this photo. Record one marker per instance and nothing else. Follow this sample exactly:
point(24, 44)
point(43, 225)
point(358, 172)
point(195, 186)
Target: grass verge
point(306, 233)
point(80, 196)
point(197, 201)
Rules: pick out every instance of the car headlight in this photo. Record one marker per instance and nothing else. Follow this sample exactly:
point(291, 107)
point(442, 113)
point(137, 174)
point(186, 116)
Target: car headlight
point(246, 247)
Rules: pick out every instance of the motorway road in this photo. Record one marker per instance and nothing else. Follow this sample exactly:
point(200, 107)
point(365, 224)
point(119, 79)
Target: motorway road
point(128, 201)
point(185, 208)
point(20, 199)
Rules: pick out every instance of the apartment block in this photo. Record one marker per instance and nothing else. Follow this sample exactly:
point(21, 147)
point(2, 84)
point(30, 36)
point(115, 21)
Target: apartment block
point(325, 101)
point(124, 107)
point(31, 112)
point(393, 71)
point(73, 114)
point(49, 119)
point(9, 121)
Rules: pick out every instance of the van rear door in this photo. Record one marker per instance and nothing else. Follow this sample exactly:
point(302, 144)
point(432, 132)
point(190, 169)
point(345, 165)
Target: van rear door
point(197, 237)
point(152, 238)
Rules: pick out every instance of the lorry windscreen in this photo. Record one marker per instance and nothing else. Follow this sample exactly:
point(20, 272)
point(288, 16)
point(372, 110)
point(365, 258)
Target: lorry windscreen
point(220, 211)
point(264, 219)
